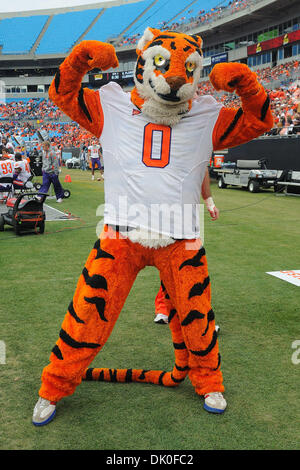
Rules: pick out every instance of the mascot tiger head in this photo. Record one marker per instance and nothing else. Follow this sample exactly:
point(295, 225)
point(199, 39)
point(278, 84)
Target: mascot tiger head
point(166, 74)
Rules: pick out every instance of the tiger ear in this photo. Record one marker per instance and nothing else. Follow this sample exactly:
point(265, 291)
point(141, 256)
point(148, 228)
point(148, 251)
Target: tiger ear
point(148, 35)
point(198, 40)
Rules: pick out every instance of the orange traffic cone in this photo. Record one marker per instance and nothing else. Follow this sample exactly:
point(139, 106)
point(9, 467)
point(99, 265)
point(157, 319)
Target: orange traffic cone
point(68, 179)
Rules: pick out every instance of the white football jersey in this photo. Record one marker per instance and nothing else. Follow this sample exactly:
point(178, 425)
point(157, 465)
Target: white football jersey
point(6, 169)
point(154, 173)
point(25, 170)
point(94, 151)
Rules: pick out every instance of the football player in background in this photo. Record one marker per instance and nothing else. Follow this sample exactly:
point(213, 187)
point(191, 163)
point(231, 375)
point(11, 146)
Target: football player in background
point(21, 173)
point(95, 153)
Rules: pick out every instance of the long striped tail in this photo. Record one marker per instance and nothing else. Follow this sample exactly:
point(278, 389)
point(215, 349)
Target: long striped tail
point(158, 377)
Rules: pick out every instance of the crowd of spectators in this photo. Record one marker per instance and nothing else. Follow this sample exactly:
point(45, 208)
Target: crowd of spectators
point(34, 108)
point(25, 118)
point(190, 22)
point(285, 100)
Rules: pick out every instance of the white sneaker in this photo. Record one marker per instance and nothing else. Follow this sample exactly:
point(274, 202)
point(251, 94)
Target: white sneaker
point(59, 199)
point(214, 402)
point(44, 411)
point(161, 318)
point(93, 177)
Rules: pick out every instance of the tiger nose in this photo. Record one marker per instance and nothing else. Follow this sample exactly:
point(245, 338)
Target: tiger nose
point(175, 82)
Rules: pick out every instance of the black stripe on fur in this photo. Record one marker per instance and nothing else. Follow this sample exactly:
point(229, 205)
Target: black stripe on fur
point(165, 36)
point(219, 362)
point(181, 369)
point(83, 105)
point(57, 80)
point(155, 43)
point(160, 380)
point(171, 315)
point(191, 316)
point(162, 286)
point(179, 345)
point(76, 344)
point(204, 352)
point(265, 108)
point(177, 380)
point(101, 376)
point(113, 375)
point(100, 305)
point(89, 374)
point(195, 261)
point(128, 377)
point(142, 376)
point(57, 352)
point(96, 281)
point(101, 253)
point(73, 313)
point(210, 317)
point(198, 288)
point(232, 124)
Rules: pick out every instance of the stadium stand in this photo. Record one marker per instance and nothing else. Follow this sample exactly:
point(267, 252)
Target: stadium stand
point(64, 30)
point(18, 35)
point(24, 112)
point(117, 19)
point(184, 16)
point(160, 10)
point(25, 116)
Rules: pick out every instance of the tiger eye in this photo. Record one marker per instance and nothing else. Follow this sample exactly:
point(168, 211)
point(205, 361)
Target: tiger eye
point(159, 60)
point(190, 66)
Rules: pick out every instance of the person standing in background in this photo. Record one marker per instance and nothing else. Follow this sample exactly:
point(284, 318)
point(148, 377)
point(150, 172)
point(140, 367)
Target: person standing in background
point(83, 158)
point(50, 171)
point(94, 154)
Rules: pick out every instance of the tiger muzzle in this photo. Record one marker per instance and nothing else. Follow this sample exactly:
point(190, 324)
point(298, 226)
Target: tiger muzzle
point(175, 82)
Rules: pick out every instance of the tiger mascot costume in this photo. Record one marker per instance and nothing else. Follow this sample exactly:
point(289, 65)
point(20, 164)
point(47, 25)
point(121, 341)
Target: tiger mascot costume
point(157, 141)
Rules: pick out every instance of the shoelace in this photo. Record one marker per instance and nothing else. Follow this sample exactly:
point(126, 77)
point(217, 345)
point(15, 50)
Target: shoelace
point(44, 402)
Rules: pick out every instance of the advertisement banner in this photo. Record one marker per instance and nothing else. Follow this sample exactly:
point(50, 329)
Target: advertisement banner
point(274, 43)
point(216, 59)
point(292, 276)
point(206, 62)
point(268, 35)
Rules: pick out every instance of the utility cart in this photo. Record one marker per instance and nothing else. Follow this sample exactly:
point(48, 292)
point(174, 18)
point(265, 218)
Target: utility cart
point(250, 174)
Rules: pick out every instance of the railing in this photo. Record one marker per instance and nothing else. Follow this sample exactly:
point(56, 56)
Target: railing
point(283, 81)
point(220, 14)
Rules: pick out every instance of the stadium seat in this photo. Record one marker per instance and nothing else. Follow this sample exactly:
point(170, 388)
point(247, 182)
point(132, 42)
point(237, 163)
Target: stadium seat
point(64, 30)
point(116, 19)
point(18, 35)
point(159, 11)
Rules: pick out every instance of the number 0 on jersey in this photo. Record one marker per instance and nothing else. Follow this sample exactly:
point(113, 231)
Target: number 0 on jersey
point(161, 135)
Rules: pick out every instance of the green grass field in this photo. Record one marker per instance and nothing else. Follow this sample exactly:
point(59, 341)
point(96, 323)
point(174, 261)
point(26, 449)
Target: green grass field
point(258, 315)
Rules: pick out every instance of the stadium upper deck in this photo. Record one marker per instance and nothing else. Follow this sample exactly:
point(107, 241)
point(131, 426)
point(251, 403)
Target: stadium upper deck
point(57, 33)
point(32, 47)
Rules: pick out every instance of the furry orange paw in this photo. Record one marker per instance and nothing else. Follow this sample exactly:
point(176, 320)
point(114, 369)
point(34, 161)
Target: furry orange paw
point(95, 54)
point(233, 76)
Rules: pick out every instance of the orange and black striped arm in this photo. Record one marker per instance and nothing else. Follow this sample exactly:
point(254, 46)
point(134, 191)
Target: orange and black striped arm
point(236, 126)
point(82, 104)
